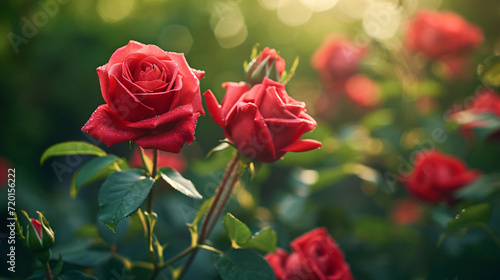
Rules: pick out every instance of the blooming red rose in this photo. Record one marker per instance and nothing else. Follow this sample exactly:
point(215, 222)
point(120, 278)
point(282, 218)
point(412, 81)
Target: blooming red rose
point(152, 97)
point(315, 256)
point(441, 34)
point(165, 159)
point(263, 122)
point(335, 61)
point(436, 177)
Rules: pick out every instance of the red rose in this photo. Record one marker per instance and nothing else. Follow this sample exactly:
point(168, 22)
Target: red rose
point(485, 102)
point(267, 64)
point(316, 256)
point(436, 177)
point(440, 34)
point(362, 90)
point(264, 122)
point(175, 161)
point(152, 97)
point(335, 61)
point(405, 212)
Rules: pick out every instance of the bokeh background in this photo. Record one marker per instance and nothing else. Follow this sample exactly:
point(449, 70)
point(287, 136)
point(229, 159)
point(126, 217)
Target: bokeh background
point(49, 51)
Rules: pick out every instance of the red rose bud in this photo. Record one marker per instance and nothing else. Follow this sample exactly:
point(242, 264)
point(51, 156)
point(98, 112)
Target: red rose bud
point(267, 64)
point(441, 34)
point(436, 177)
point(405, 212)
point(335, 61)
point(152, 97)
point(263, 122)
point(315, 256)
point(362, 90)
point(39, 235)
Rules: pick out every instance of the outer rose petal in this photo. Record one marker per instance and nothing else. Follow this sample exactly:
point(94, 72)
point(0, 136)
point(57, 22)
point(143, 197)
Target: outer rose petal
point(213, 107)
point(170, 116)
point(120, 54)
point(173, 139)
point(233, 93)
point(108, 128)
point(303, 146)
point(277, 262)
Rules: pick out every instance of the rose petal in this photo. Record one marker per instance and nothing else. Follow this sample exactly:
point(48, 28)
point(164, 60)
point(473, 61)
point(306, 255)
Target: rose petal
point(107, 127)
point(303, 145)
point(171, 116)
point(120, 54)
point(234, 91)
point(173, 139)
point(213, 107)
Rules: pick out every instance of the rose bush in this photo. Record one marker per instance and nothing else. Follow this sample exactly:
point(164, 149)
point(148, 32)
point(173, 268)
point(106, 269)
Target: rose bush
point(263, 122)
point(436, 176)
point(315, 256)
point(152, 97)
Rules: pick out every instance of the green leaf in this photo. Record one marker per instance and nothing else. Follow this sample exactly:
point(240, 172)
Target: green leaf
point(122, 194)
point(481, 188)
point(237, 231)
point(71, 148)
point(87, 258)
point(470, 216)
point(222, 146)
point(265, 240)
point(76, 275)
point(241, 236)
point(94, 170)
point(489, 72)
point(243, 265)
point(175, 179)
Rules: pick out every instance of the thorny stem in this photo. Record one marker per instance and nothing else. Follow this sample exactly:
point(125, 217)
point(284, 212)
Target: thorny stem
point(150, 210)
point(217, 205)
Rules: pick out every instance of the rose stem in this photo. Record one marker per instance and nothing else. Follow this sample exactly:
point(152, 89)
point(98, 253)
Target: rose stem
point(46, 270)
point(216, 204)
point(150, 210)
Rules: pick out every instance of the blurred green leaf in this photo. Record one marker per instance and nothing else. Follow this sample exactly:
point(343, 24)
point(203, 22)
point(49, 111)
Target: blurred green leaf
point(489, 72)
point(94, 170)
point(481, 188)
point(243, 265)
point(178, 182)
point(328, 177)
point(470, 216)
point(71, 148)
point(237, 231)
point(37, 275)
point(122, 194)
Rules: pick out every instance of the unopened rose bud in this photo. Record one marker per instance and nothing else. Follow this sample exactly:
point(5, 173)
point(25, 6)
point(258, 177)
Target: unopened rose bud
point(39, 236)
point(267, 64)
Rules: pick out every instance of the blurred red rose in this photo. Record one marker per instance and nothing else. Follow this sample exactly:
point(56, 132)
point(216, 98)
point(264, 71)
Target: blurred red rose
point(436, 177)
point(362, 90)
point(264, 122)
point(440, 34)
point(315, 256)
point(486, 101)
point(165, 159)
point(152, 97)
point(406, 211)
point(335, 61)
point(4, 171)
